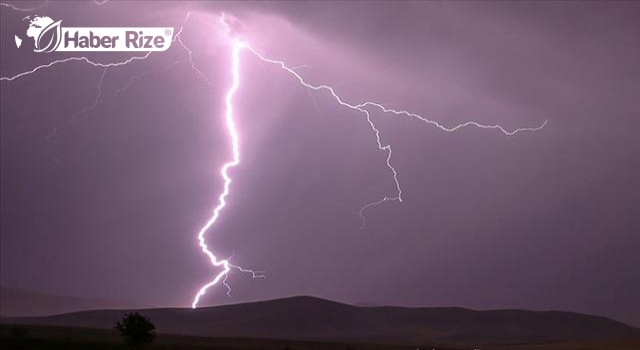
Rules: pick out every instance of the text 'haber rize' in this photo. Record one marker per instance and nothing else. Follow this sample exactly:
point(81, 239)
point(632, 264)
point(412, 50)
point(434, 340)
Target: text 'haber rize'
point(132, 39)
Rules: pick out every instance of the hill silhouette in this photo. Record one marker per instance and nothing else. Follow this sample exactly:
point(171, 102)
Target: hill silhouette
point(309, 318)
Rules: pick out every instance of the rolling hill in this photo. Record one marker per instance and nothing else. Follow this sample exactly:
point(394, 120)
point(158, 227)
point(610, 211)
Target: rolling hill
point(308, 318)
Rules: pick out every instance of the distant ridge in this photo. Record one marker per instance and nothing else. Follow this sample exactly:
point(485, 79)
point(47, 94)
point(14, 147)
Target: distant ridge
point(309, 318)
point(15, 302)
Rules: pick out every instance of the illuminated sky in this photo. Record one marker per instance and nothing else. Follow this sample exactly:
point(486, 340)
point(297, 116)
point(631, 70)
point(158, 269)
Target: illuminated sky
point(109, 205)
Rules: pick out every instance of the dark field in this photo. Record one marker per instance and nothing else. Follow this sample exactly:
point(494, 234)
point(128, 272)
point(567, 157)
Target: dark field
point(48, 337)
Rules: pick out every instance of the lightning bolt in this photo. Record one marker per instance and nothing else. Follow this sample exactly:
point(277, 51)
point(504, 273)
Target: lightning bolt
point(237, 46)
point(76, 59)
point(224, 263)
point(224, 172)
point(22, 9)
point(88, 108)
point(386, 148)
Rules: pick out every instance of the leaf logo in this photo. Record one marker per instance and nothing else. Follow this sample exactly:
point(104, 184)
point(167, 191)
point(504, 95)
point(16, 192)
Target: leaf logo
point(50, 38)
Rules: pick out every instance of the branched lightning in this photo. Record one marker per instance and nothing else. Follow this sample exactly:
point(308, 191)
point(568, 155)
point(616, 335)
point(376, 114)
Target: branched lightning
point(224, 171)
point(177, 37)
point(22, 9)
point(135, 78)
point(237, 46)
point(457, 127)
point(386, 148)
point(104, 66)
point(190, 53)
point(224, 263)
point(86, 109)
point(74, 59)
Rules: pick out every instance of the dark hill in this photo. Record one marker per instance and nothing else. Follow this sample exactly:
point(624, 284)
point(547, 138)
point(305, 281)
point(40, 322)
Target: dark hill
point(307, 318)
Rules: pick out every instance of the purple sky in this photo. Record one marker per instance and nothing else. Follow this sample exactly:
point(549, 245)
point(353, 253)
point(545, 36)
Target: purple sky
point(110, 205)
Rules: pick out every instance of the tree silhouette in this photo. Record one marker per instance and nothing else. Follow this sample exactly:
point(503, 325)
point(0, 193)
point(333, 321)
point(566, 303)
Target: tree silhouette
point(136, 329)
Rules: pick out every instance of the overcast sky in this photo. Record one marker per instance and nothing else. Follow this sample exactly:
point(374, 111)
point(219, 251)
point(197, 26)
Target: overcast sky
point(102, 195)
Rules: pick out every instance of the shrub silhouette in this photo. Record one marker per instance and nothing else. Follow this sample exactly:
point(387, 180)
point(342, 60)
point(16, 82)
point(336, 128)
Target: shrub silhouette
point(136, 329)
